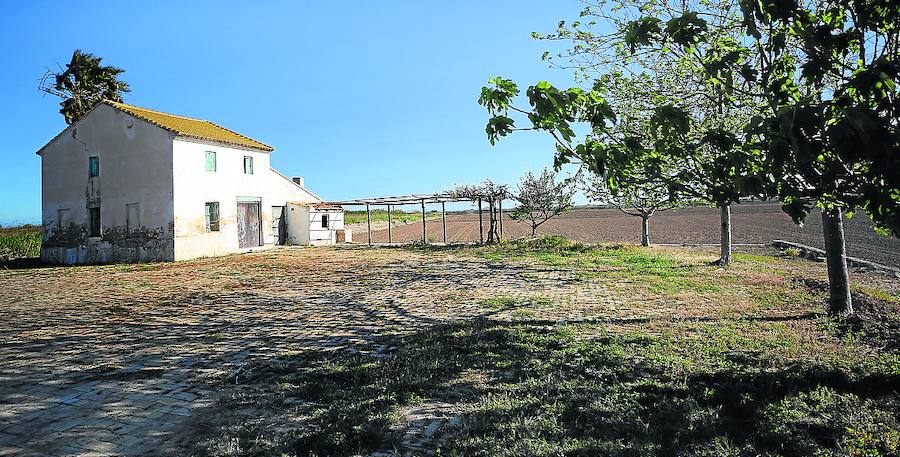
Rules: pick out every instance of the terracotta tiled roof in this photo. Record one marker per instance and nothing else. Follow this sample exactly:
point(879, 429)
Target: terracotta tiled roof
point(189, 127)
point(326, 206)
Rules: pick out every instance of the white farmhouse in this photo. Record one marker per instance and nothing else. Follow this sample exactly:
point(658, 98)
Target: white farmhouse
point(128, 184)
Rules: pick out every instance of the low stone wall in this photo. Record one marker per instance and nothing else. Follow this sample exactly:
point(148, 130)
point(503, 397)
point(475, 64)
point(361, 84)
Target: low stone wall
point(818, 255)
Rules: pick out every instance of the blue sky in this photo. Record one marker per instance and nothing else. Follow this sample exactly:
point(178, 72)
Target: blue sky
point(361, 98)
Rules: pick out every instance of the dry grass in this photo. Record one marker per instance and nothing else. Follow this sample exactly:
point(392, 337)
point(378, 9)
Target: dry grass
point(691, 359)
point(544, 347)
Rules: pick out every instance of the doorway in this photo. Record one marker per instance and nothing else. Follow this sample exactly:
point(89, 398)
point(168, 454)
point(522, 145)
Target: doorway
point(278, 224)
point(249, 233)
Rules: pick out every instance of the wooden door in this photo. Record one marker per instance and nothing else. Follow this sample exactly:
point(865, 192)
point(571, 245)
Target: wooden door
point(248, 224)
point(278, 224)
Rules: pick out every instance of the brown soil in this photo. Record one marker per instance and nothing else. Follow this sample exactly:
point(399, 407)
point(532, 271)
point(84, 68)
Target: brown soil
point(752, 223)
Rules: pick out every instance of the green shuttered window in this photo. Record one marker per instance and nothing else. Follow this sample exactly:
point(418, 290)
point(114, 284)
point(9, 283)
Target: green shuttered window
point(248, 165)
point(93, 166)
point(212, 216)
point(210, 161)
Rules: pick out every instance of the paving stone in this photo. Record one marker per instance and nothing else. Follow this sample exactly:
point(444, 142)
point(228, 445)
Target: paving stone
point(432, 428)
point(66, 425)
point(127, 352)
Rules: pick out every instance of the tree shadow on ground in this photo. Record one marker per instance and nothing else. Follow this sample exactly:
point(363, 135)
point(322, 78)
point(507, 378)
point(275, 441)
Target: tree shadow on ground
point(543, 390)
point(875, 320)
point(26, 263)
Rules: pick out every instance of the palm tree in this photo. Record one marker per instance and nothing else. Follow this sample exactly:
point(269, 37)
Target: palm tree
point(83, 84)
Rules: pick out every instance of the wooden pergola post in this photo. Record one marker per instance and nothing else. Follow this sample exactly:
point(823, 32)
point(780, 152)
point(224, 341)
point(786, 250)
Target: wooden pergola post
point(444, 219)
point(424, 234)
point(369, 224)
point(480, 224)
point(390, 235)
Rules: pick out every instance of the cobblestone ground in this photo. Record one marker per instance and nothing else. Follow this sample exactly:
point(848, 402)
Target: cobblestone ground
point(113, 360)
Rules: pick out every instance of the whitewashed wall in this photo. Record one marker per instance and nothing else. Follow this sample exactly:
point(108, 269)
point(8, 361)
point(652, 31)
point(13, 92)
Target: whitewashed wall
point(166, 176)
point(282, 190)
point(304, 225)
point(135, 167)
point(318, 235)
point(194, 186)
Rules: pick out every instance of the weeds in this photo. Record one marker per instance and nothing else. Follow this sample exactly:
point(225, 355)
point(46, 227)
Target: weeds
point(20, 242)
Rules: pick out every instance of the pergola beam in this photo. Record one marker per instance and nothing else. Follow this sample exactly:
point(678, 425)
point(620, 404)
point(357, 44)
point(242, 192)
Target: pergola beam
point(422, 200)
point(405, 200)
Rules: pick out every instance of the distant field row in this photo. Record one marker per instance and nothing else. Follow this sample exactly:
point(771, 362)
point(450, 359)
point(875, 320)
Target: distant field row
point(381, 215)
point(753, 223)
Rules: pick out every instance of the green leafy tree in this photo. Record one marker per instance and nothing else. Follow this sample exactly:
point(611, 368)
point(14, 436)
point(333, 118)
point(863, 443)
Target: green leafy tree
point(542, 198)
point(690, 123)
point(829, 71)
point(82, 84)
point(615, 43)
point(827, 130)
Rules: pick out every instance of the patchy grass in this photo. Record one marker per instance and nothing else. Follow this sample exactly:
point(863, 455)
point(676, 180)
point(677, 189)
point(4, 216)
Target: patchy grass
point(502, 302)
point(20, 242)
point(663, 272)
point(562, 252)
point(708, 361)
point(567, 390)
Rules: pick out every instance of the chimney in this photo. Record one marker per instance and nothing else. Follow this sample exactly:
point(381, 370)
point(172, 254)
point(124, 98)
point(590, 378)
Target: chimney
point(298, 180)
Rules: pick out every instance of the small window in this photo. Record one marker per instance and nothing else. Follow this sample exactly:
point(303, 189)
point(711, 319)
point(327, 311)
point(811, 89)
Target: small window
point(248, 165)
point(210, 160)
point(324, 221)
point(93, 166)
point(94, 221)
point(132, 218)
point(212, 216)
point(63, 219)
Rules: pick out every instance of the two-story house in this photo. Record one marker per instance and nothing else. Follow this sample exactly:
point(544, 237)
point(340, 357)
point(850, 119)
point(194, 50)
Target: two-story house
point(128, 184)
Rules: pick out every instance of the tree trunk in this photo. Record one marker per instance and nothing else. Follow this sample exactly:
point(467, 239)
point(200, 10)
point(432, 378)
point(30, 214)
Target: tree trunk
point(492, 222)
point(725, 242)
point(839, 303)
point(533, 230)
point(645, 230)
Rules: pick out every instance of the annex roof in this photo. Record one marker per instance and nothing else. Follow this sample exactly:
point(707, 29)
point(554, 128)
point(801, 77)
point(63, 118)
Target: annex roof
point(190, 127)
point(326, 206)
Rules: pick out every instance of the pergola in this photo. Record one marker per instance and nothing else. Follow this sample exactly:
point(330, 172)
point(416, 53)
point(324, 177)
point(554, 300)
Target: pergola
point(421, 199)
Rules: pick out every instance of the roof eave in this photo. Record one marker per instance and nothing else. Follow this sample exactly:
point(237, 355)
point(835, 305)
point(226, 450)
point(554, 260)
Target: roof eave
point(179, 135)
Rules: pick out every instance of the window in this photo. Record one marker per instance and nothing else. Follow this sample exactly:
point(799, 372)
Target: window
point(248, 165)
point(324, 221)
point(63, 219)
point(212, 216)
point(210, 160)
point(93, 166)
point(132, 218)
point(94, 221)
